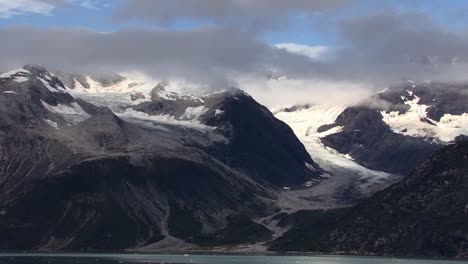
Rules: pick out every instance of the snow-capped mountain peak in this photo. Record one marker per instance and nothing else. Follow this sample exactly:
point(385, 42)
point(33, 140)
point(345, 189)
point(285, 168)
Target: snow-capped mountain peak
point(29, 72)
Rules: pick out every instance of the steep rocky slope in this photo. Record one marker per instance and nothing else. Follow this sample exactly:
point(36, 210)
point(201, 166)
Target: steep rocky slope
point(423, 215)
point(77, 176)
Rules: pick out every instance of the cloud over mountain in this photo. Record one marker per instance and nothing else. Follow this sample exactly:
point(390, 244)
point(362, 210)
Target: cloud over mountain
point(204, 54)
point(370, 49)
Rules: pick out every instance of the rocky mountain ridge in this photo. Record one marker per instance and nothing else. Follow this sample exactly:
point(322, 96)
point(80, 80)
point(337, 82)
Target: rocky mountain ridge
point(145, 166)
point(73, 174)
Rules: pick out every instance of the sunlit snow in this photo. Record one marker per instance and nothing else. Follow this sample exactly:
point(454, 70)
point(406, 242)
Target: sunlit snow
point(163, 119)
point(21, 79)
point(13, 72)
point(412, 123)
point(192, 113)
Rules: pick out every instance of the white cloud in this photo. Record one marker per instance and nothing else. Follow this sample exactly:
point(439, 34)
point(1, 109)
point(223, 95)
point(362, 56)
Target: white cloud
point(10, 8)
point(314, 52)
point(94, 4)
point(286, 92)
point(89, 4)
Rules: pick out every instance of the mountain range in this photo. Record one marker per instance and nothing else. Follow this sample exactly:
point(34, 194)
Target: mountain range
point(125, 163)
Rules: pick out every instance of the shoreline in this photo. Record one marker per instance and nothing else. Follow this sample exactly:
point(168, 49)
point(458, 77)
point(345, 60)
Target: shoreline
point(104, 254)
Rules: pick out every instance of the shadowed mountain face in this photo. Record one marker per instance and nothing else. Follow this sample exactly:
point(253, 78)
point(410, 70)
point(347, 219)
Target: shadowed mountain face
point(76, 176)
point(260, 145)
point(398, 128)
point(426, 214)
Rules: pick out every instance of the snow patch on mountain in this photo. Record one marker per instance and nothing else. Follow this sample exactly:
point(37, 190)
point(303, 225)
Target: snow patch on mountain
point(192, 113)
point(331, 131)
point(163, 119)
point(73, 112)
point(51, 123)
point(52, 88)
point(133, 89)
point(415, 122)
point(218, 112)
point(10, 74)
point(130, 83)
point(79, 88)
point(18, 75)
point(21, 79)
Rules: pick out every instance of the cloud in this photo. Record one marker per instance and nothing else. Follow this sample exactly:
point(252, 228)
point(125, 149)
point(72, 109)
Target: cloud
point(313, 52)
point(373, 51)
point(396, 37)
point(205, 55)
point(10, 8)
point(94, 4)
point(90, 4)
point(286, 92)
point(246, 14)
point(388, 46)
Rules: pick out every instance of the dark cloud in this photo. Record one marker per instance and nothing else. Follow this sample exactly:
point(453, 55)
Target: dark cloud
point(207, 55)
point(373, 50)
point(391, 45)
point(393, 36)
point(247, 14)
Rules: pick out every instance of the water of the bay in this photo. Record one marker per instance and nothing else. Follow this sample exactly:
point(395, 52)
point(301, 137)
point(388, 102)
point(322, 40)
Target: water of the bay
point(200, 259)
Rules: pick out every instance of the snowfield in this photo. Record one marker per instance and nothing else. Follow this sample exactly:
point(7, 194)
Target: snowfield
point(18, 75)
point(133, 83)
point(412, 123)
point(21, 79)
point(130, 114)
point(72, 113)
point(13, 72)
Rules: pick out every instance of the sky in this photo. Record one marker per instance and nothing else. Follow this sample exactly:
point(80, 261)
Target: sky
point(323, 44)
